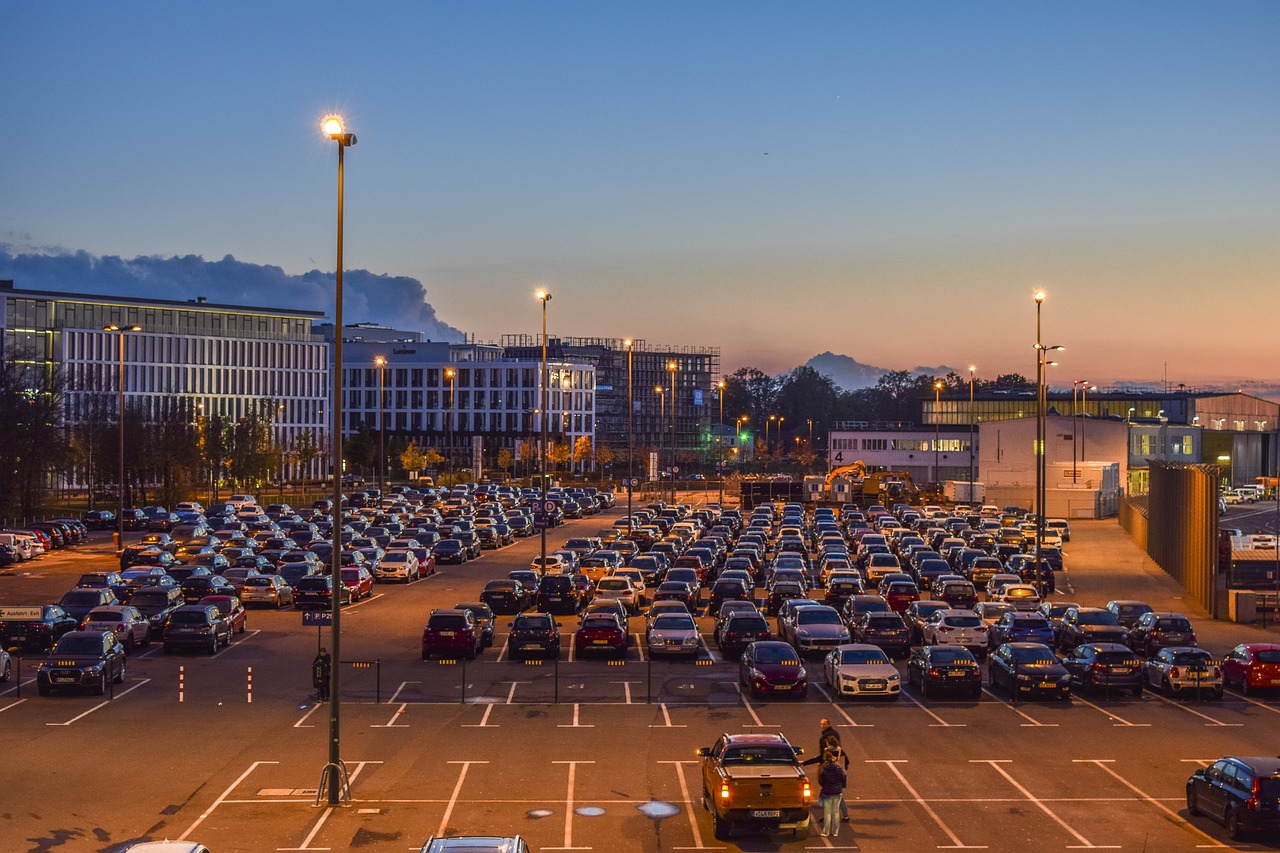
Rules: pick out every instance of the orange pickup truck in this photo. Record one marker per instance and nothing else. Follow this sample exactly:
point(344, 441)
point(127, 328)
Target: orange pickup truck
point(754, 782)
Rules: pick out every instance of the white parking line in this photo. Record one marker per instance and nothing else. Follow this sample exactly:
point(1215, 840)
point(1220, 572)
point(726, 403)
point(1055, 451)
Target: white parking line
point(575, 724)
point(14, 688)
point(505, 650)
point(392, 724)
point(314, 708)
point(750, 710)
point(1031, 721)
point(358, 605)
point(640, 646)
point(995, 765)
point(666, 715)
point(626, 688)
point(457, 788)
point(568, 807)
point(396, 695)
point(511, 694)
point(1193, 711)
point(254, 766)
point(688, 806)
point(1252, 701)
point(1102, 763)
point(12, 705)
point(315, 830)
point(892, 764)
point(236, 643)
point(941, 723)
point(848, 721)
point(1119, 721)
point(101, 704)
point(484, 719)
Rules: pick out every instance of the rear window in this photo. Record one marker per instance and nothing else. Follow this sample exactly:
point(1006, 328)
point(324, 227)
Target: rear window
point(1173, 625)
point(962, 621)
point(447, 622)
point(149, 599)
point(945, 656)
point(190, 617)
point(534, 623)
point(817, 616)
point(79, 598)
point(884, 621)
point(105, 616)
point(260, 581)
point(1098, 618)
point(748, 623)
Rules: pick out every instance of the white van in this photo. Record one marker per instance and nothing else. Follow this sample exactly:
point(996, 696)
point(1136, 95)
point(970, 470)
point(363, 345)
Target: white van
point(24, 546)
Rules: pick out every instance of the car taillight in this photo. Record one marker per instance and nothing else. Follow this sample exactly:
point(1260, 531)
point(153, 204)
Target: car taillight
point(724, 790)
point(1098, 666)
point(1252, 803)
point(934, 672)
point(808, 791)
point(1173, 672)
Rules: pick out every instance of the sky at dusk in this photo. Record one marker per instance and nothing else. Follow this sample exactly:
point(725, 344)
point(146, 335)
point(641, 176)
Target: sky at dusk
point(888, 181)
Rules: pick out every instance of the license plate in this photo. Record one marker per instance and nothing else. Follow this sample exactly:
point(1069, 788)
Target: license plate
point(1047, 685)
point(1120, 670)
point(599, 642)
point(448, 634)
point(873, 685)
point(1275, 682)
point(958, 673)
point(62, 679)
point(782, 687)
point(766, 813)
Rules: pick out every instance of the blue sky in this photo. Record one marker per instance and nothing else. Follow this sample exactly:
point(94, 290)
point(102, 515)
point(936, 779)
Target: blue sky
point(890, 181)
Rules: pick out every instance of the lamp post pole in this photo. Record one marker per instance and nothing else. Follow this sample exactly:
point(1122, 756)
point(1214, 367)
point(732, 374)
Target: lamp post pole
point(544, 297)
point(1075, 420)
point(1040, 402)
point(120, 330)
point(672, 367)
point(720, 460)
point(451, 376)
point(937, 393)
point(662, 429)
point(809, 447)
point(1084, 407)
point(631, 452)
point(381, 362)
point(335, 775)
point(737, 436)
point(768, 448)
point(972, 369)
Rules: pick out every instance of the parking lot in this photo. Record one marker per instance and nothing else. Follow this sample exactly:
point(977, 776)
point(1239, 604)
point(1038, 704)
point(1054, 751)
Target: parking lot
point(586, 754)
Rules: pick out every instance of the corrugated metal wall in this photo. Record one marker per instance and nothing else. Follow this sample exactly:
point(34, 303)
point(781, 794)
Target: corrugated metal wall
point(1181, 526)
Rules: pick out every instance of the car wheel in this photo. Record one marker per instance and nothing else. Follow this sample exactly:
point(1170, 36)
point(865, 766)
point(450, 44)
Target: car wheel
point(42, 689)
point(213, 645)
point(129, 644)
point(1137, 691)
point(101, 688)
point(924, 689)
point(719, 826)
point(8, 667)
point(1166, 687)
point(1217, 695)
point(1193, 803)
point(120, 676)
point(1235, 829)
point(1244, 685)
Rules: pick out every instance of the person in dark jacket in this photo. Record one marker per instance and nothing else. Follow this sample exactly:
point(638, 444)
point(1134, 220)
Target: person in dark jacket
point(321, 668)
point(827, 738)
point(831, 782)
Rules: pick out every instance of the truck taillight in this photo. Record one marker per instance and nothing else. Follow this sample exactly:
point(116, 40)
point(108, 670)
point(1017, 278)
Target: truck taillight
point(808, 791)
point(724, 790)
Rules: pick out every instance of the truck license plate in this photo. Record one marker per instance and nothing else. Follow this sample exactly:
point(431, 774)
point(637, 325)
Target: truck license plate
point(766, 813)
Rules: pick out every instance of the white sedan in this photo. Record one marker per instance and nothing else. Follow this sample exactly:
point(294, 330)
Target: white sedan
point(673, 634)
point(1023, 596)
point(861, 669)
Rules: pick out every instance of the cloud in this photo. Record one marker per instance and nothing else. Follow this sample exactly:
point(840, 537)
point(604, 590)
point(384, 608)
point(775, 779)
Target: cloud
point(396, 301)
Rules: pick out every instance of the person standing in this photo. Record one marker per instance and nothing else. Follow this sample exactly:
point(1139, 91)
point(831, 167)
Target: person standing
point(829, 738)
point(321, 669)
point(831, 782)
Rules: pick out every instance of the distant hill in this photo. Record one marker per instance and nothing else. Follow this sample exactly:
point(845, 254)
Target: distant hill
point(850, 374)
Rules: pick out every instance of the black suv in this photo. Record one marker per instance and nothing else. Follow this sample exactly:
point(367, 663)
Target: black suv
point(557, 594)
point(156, 603)
point(82, 659)
point(317, 591)
point(534, 633)
point(199, 625)
point(1090, 625)
point(1241, 793)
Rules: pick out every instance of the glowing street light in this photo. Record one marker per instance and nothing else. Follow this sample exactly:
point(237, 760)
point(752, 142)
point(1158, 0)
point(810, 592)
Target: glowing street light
point(121, 330)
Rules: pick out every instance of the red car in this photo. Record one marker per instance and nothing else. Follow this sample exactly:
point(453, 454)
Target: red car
point(773, 667)
point(231, 608)
point(359, 580)
point(601, 632)
point(900, 594)
point(1252, 666)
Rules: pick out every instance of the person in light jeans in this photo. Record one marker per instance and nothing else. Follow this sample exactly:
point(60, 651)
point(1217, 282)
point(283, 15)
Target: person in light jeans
point(831, 781)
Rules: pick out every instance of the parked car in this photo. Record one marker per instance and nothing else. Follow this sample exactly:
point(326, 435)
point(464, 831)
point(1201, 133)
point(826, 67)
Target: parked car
point(484, 619)
point(1242, 793)
point(673, 634)
point(1029, 668)
point(1127, 612)
point(196, 625)
point(316, 591)
point(1252, 666)
point(1105, 666)
point(1182, 670)
point(772, 667)
point(82, 659)
point(532, 633)
point(266, 589)
point(78, 602)
point(1157, 630)
point(945, 668)
point(859, 669)
point(131, 628)
point(451, 631)
point(231, 608)
point(601, 632)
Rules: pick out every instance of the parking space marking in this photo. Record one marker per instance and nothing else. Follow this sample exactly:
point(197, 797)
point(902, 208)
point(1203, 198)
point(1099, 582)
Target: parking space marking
point(402, 686)
point(506, 648)
point(236, 643)
point(104, 703)
point(369, 600)
point(568, 807)
point(1101, 764)
point(484, 719)
point(688, 806)
point(626, 688)
point(941, 723)
point(750, 710)
point(221, 797)
point(1032, 722)
point(306, 842)
point(849, 722)
point(1119, 721)
point(640, 646)
point(457, 789)
point(575, 724)
point(995, 765)
point(1253, 701)
point(666, 715)
point(511, 694)
point(14, 688)
point(392, 724)
point(299, 724)
point(1193, 711)
point(956, 844)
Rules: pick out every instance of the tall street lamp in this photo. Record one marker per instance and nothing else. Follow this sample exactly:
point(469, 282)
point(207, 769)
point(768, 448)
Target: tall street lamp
point(720, 460)
point(781, 446)
point(335, 780)
point(631, 448)
point(120, 330)
point(662, 427)
point(809, 447)
point(381, 362)
point(767, 446)
point(937, 417)
point(737, 439)
point(1075, 420)
point(672, 367)
point(544, 297)
point(450, 376)
point(971, 419)
point(1084, 407)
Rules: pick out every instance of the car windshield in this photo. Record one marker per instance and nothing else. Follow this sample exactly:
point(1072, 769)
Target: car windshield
point(817, 616)
point(885, 620)
point(1034, 657)
point(144, 600)
point(1098, 618)
point(776, 654)
point(758, 755)
point(79, 646)
point(674, 623)
point(962, 621)
point(957, 589)
point(863, 656)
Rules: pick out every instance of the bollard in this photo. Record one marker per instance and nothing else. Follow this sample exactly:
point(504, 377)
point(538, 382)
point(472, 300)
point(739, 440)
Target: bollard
point(249, 686)
point(556, 675)
point(182, 676)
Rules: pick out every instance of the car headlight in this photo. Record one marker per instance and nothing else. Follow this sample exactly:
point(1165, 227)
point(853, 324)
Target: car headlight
point(802, 673)
point(895, 677)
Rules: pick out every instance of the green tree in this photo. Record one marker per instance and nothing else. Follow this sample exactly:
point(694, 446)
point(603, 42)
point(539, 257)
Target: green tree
point(33, 444)
point(412, 458)
point(505, 460)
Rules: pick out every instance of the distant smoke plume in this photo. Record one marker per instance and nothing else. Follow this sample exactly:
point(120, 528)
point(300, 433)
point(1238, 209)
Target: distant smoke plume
point(396, 301)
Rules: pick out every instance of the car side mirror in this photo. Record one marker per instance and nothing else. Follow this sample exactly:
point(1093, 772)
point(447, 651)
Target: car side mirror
point(703, 751)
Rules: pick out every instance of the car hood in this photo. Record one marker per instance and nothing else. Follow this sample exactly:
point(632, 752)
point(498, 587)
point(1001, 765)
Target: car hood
point(673, 634)
point(867, 670)
point(778, 670)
